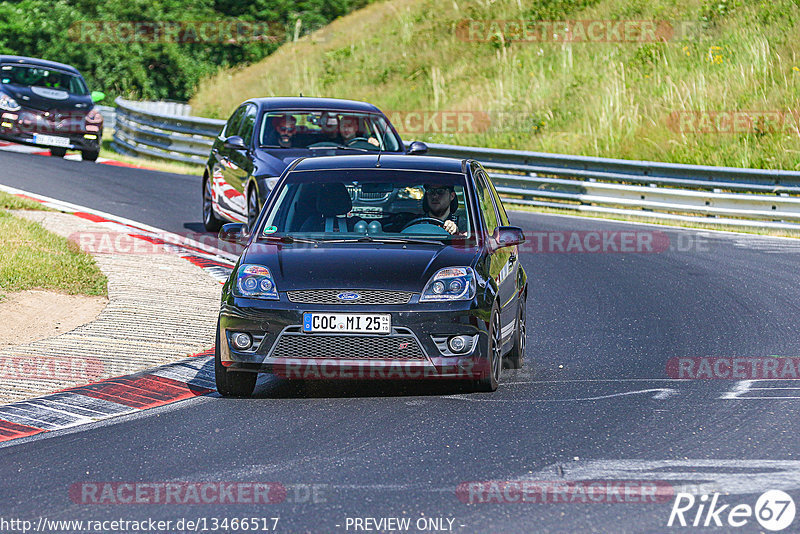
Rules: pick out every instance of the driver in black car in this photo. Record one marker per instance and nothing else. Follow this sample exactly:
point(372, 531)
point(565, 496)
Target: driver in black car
point(348, 129)
point(440, 203)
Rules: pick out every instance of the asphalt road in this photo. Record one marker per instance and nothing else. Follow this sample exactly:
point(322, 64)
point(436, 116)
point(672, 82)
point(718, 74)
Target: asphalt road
point(594, 403)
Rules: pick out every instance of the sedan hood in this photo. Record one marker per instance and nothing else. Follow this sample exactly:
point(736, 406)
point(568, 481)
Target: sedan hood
point(356, 265)
point(45, 99)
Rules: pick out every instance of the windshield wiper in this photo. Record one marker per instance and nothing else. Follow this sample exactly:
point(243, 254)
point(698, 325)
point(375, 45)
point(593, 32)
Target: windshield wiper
point(370, 239)
point(340, 147)
point(288, 239)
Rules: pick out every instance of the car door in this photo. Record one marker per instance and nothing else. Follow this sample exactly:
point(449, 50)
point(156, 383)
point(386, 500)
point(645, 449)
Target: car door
point(222, 189)
point(502, 262)
point(240, 163)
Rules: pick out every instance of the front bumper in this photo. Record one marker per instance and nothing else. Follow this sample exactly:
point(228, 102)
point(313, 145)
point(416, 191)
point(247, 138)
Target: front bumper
point(28, 126)
point(415, 349)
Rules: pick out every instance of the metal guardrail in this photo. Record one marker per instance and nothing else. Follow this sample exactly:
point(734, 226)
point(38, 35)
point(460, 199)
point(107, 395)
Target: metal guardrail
point(715, 195)
point(144, 129)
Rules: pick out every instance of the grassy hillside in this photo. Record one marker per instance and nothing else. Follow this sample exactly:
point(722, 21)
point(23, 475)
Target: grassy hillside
point(612, 99)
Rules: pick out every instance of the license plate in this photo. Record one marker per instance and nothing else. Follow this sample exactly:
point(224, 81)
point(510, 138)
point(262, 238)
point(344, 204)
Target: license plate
point(51, 140)
point(351, 323)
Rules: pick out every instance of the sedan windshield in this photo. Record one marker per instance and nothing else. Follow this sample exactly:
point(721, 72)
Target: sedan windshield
point(359, 205)
point(30, 76)
point(327, 129)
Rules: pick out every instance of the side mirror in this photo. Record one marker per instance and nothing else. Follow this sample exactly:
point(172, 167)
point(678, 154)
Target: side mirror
point(507, 236)
point(417, 147)
point(233, 233)
point(98, 96)
point(234, 142)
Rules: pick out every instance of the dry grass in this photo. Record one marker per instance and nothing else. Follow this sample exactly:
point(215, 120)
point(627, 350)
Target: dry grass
point(601, 99)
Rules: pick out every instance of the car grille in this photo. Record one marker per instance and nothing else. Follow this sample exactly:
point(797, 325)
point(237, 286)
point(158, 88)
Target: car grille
point(329, 296)
point(347, 347)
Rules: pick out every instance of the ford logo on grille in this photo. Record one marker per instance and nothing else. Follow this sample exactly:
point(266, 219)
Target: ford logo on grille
point(348, 295)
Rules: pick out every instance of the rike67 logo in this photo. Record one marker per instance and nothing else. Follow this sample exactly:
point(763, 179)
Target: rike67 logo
point(774, 510)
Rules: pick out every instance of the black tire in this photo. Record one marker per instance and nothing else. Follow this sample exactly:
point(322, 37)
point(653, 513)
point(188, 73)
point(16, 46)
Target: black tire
point(89, 155)
point(494, 354)
point(232, 383)
point(210, 220)
point(516, 356)
point(58, 152)
point(253, 209)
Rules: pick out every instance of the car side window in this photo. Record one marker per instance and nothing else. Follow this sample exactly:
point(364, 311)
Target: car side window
point(232, 126)
point(501, 210)
point(485, 202)
point(248, 123)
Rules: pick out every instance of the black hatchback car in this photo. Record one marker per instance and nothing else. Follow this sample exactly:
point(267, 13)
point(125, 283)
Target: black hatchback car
point(374, 267)
point(265, 135)
point(48, 104)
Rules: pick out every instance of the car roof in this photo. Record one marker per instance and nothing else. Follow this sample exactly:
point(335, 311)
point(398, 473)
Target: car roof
point(39, 63)
point(387, 162)
point(303, 102)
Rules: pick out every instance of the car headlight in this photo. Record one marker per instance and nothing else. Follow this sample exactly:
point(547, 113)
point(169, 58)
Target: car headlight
point(8, 104)
point(255, 282)
point(451, 283)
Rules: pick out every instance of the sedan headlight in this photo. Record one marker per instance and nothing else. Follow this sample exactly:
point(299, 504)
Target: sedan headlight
point(451, 283)
point(8, 104)
point(255, 282)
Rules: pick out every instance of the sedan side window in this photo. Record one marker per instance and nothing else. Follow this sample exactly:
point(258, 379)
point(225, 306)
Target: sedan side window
point(232, 126)
point(248, 123)
point(485, 203)
point(500, 208)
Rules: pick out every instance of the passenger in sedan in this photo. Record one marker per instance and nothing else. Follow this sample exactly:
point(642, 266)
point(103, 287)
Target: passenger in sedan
point(286, 127)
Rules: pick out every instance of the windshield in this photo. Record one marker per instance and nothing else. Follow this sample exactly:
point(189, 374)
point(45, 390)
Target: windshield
point(327, 129)
point(29, 76)
point(375, 204)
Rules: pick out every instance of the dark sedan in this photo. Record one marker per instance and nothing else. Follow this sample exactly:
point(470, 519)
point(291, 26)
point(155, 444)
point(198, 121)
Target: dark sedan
point(48, 104)
point(265, 135)
point(374, 267)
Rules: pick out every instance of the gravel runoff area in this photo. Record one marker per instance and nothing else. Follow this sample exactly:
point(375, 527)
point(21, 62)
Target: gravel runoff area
point(161, 309)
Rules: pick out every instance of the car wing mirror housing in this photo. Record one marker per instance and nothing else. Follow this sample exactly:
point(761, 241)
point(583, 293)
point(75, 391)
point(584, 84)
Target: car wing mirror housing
point(234, 233)
point(98, 96)
point(235, 142)
point(417, 147)
point(507, 236)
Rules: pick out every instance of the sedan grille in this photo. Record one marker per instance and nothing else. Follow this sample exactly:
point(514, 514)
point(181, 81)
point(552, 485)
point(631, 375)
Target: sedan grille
point(347, 347)
point(331, 296)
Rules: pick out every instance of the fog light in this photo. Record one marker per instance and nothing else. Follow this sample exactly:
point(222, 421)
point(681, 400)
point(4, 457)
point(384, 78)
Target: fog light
point(241, 340)
point(457, 344)
point(90, 136)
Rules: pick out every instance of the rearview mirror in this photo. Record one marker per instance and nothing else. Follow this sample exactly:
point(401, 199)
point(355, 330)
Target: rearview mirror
point(507, 236)
point(235, 142)
point(417, 147)
point(98, 96)
point(233, 233)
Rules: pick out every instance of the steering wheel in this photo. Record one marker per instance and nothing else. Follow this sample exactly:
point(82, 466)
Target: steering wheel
point(423, 220)
point(356, 140)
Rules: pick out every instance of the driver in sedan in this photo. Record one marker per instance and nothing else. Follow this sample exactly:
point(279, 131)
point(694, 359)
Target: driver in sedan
point(440, 203)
